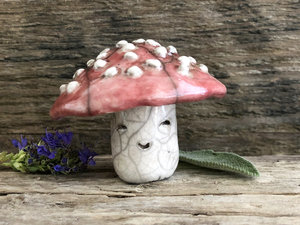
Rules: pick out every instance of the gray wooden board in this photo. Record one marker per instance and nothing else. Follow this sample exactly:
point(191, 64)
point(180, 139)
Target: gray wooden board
point(251, 46)
point(191, 196)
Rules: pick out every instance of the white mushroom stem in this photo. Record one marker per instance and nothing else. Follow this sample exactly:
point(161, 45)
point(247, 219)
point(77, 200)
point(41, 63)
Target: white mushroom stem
point(144, 143)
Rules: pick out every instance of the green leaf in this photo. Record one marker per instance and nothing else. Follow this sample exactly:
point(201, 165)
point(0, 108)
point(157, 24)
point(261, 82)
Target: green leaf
point(32, 169)
point(220, 160)
point(19, 166)
point(4, 157)
point(21, 156)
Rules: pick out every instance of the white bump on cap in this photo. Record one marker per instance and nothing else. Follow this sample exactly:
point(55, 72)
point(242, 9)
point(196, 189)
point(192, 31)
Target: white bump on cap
point(139, 41)
point(110, 72)
point(203, 68)
point(184, 70)
point(134, 72)
point(128, 47)
point(63, 88)
point(77, 73)
point(152, 42)
point(103, 54)
point(99, 63)
point(131, 56)
point(90, 62)
point(153, 63)
point(72, 86)
point(121, 43)
point(172, 49)
point(192, 60)
point(184, 60)
point(161, 51)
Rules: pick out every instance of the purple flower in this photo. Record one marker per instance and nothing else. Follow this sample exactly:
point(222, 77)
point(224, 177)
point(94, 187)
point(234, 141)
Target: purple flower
point(21, 145)
point(32, 154)
point(50, 140)
point(86, 156)
point(54, 152)
point(58, 139)
point(65, 137)
point(92, 162)
point(59, 168)
point(64, 160)
point(30, 161)
point(42, 150)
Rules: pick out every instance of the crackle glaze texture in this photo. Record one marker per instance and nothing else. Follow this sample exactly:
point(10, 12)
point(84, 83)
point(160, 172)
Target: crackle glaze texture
point(144, 143)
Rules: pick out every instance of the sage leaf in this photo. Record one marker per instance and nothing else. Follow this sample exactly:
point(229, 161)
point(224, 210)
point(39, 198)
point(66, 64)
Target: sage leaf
point(225, 161)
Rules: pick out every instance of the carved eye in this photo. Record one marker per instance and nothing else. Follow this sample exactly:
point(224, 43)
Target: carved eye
point(121, 128)
point(166, 123)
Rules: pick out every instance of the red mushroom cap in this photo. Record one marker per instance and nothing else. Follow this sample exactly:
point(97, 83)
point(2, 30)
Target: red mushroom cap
point(142, 73)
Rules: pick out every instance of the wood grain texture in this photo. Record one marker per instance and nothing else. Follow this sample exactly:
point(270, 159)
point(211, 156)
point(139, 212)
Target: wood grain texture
point(251, 46)
point(192, 196)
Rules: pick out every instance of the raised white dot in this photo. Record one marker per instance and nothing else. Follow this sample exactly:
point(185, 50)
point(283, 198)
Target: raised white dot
point(99, 64)
point(134, 72)
point(184, 60)
point(63, 88)
point(192, 60)
point(103, 54)
point(110, 72)
point(131, 56)
point(90, 62)
point(203, 68)
point(72, 86)
point(161, 51)
point(153, 63)
point(77, 73)
point(128, 47)
point(152, 42)
point(139, 41)
point(172, 50)
point(121, 43)
point(184, 70)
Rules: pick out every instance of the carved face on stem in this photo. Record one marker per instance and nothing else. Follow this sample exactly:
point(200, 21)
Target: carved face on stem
point(140, 82)
point(144, 143)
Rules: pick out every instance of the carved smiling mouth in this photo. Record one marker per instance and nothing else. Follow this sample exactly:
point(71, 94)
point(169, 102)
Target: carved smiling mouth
point(144, 146)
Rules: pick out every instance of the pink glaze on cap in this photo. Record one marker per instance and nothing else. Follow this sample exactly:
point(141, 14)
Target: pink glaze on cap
point(142, 73)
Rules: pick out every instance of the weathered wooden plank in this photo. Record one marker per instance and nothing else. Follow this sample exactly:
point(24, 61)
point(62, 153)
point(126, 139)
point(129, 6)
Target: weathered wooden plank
point(279, 176)
point(191, 209)
point(251, 46)
point(125, 217)
point(191, 196)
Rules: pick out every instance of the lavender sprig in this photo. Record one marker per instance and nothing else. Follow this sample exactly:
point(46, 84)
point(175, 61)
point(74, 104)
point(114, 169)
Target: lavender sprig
point(53, 153)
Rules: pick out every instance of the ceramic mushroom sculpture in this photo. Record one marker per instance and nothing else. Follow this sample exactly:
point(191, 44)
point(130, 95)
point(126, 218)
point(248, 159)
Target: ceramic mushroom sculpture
point(140, 82)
